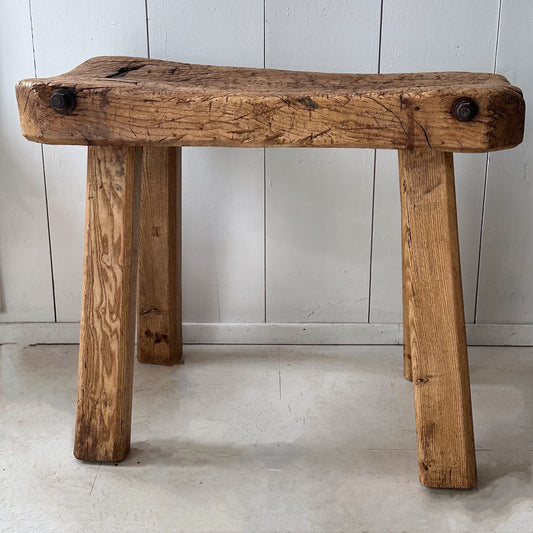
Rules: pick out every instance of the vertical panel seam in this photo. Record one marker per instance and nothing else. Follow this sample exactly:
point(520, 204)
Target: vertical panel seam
point(147, 28)
point(371, 236)
point(264, 189)
point(52, 277)
point(380, 36)
point(374, 181)
point(497, 36)
point(485, 182)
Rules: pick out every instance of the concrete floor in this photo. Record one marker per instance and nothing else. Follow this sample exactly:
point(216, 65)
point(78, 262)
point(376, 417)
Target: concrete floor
point(261, 438)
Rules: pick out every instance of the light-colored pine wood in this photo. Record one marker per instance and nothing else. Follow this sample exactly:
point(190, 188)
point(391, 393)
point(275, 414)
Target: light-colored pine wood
point(159, 277)
point(436, 321)
point(135, 101)
point(105, 379)
point(406, 291)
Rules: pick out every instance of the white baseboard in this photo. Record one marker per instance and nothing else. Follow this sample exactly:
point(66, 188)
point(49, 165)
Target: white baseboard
point(274, 333)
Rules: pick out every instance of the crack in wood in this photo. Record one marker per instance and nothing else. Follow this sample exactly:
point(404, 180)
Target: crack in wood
point(122, 71)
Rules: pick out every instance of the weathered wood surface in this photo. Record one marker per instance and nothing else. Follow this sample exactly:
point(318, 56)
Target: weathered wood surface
point(134, 101)
point(436, 321)
point(105, 375)
point(406, 291)
point(159, 279)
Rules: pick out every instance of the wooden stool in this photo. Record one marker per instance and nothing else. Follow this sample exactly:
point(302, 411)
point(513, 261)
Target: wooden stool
point(135, 114)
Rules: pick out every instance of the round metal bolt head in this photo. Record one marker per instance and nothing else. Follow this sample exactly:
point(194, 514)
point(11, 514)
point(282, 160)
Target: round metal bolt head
point(63, 101)
point(464, 109)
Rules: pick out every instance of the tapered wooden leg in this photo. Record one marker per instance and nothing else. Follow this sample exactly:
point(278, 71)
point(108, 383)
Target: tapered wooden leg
point(103, 418)
point(406, 289)
point(436, 321)
point(159, 308)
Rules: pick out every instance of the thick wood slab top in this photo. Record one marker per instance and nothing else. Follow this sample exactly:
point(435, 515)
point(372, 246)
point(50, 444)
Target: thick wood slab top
point(135, 101)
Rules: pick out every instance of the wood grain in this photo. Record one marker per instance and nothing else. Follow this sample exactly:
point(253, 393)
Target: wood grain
point(406, 291)
point(159, 279)
point(436, 321)
point(135, 101)
point(105, 378)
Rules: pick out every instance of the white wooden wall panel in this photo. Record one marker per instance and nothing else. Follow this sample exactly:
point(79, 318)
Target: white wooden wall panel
point(67, 33)
point(430, 35)
point(25, 279)
point(323, 238)
point(319, 203)
point(506, 274)
point(223, 251)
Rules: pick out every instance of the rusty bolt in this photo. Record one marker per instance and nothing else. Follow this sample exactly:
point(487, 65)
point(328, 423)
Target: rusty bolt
point(63, 101)
point(464, 109)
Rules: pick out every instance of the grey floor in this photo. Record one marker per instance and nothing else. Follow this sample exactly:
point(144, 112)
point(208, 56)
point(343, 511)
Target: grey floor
point(261, 438)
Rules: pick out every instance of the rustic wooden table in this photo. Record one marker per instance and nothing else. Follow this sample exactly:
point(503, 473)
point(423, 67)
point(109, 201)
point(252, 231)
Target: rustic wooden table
point(135, 114)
